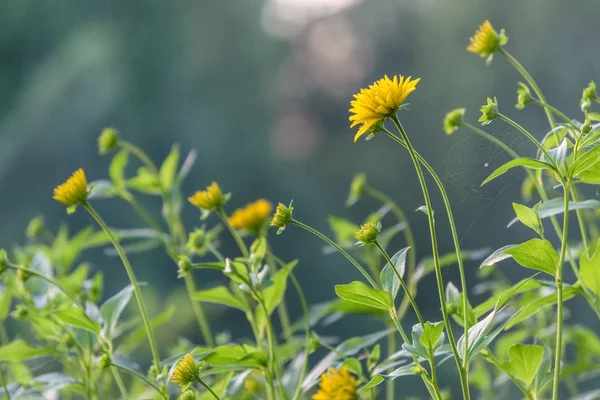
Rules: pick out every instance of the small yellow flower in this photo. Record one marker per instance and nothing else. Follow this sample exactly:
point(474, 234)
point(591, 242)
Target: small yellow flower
point(367, 233)
point(252, 216)
point(282, 217)
point(185, 373)
point(379, 101)
point(74, 191)
point(251, 386)
point(337, 385)
point(210, 199)
point(453, 120)
point(107, 140)
point(487, 41)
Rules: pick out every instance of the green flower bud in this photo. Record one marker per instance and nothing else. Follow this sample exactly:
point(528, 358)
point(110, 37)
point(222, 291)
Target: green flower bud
point(368, 232)
point(35, 228)
point(104, 362)
point(588, 95)
point(107, 140)
point(185, 266)
point(523, 96)
point(356, 188)
point(189, 395)
point(453, 120)
point(489, 111)
point(282, 217)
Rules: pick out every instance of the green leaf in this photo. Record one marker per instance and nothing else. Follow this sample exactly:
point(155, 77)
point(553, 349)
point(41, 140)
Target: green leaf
point(536, 305)
point(112, 309)
point(538, 254)
point(145, 182)
point(41, 264)
point(555, 206)
point(116, 171)
point(590, 269)
point(497, 256)
point(524, 361)
point(237, 272)
point(76, 317)
point(585, 161)
point(168, 169)
point(5, 301)
point(139, 334)
point(229, 354)
point(274, 293)
point(343, 230)
point(529, 217)
point(481, 335)
point(501, 298)
point(219, 295)
point(389, 279)
point(517, 162)
point(19, 350)
point(360, 293)
point(376, 380)
point(432, 333)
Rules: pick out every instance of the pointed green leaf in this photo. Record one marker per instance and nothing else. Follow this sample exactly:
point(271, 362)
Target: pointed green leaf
point(116, 170)
point(219, 295)
point(389, 279)
point(538, 254)
point(529, 217)
point(585, 161)
point(19, 350)
point(112, 309)
point(432, 333)
point(360, 293)
point(517, 162)
point(76, 317)
point(168, 169)
point(524, 361)
point(590, 270)
point(536, 305)
point(376, 380)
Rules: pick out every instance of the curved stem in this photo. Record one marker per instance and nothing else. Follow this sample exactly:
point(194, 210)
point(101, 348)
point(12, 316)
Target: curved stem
point(134, 283)
point(391, 349)
point(282, 311)
point(190, 286)
point(402, 283)
point(119, 381)
point(559, 294)
point(434, 381)
point(4, 384)
point(556, 111)
point(64, 290)
point(271, 343)
point(339, 249)
point(531, 82)
point(233, 232)
point(436, 261)
point(208, 388)
point(140, 154)
point(529, 136)
point(401, 217)
point(142, 378)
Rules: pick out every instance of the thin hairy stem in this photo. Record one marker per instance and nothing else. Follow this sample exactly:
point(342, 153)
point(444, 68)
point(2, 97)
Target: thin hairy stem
point(282, 311)
point(201, 382)
point(190, 286)
point(339, 249)
point(142, 378)
point(402, 283)
point(4, 384)
point(233, 232)
point(436, 261)
point(119, 381)
point(134, 283)
point(298, 391)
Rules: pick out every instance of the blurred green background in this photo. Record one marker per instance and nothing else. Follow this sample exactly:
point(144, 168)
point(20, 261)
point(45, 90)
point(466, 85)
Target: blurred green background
point(261, 89)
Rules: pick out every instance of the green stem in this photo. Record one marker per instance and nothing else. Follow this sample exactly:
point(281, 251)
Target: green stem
point(190, 286)
point(233, 232)
point(559, 294)
point(208, 388)
point(391, 349)
point(119, 381)
point(282, 311)
point(151, 222)
point(271, 343)
point(531, 82)
point(434, 381)
point(4, 384)
point(436, 261)
point(339, 249)
point(134, 283)
point(402, 283)
point(64, 290)
point(140, 154)
point(529, 136)
point(556, 111)
point(3, 333)
point(401, 217)
point(142, 378)
point(298, 390)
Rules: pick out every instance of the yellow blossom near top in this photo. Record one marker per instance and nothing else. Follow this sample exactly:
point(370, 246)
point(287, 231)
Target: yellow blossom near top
point(210, 199)
point(185, 371)
point(337, 385)
point(379, 101)
point(487, 41)
point(252, 216)
point(74, 191)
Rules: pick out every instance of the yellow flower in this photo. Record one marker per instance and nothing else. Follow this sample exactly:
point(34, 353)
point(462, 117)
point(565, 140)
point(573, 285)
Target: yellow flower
point(487, 41)
point(251, 386)
point(252, 216)
point(185, 371)
point(210, 199)
point(74, 191)
point(337, 385)
point(380, 101)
